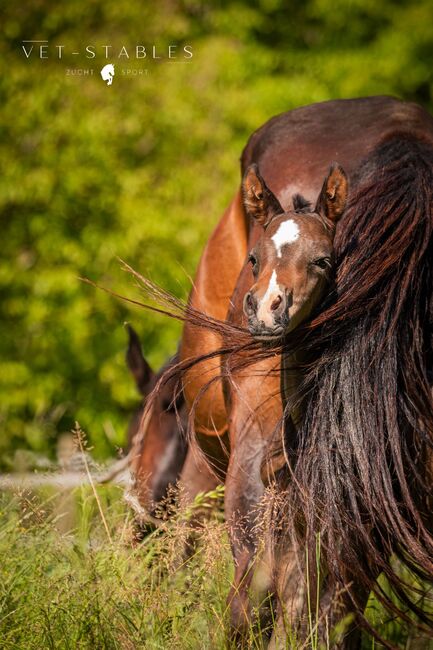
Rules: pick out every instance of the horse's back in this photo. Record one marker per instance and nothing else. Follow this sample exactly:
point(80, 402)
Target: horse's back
point(295, 149)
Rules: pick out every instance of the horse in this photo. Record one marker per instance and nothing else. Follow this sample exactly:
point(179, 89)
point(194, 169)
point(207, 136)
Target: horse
point(156, 441)
point(361, 473)
point(292, 152)
point(107, 73)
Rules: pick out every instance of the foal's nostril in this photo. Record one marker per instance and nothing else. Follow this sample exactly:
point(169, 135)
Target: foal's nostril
point(249, 303)
point(276, 303)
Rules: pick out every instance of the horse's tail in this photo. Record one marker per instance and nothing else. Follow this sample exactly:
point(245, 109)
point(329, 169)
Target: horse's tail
point(362, 474)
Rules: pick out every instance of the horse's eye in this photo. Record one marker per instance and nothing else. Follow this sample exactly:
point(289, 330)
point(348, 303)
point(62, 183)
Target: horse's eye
point(253, 261)
point(323, 263)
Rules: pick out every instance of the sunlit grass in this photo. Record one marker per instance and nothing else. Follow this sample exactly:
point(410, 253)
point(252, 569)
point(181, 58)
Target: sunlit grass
point(64, 584)
point(75, 589)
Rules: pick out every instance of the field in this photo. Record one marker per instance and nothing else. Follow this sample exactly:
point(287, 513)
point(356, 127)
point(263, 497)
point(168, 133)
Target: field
point(140, 171)
point(88, 587)
point(74, 576)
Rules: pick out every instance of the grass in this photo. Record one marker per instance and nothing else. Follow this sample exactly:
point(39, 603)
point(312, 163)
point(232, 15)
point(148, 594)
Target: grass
point(75, 589)
point(71, 576)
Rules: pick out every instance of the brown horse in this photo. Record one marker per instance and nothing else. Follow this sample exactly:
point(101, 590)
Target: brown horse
point(291, 265)
point(156, 437)
point(293, 152)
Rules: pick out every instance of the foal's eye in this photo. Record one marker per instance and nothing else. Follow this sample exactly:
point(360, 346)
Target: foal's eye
point(323, 263)
point(253, 261)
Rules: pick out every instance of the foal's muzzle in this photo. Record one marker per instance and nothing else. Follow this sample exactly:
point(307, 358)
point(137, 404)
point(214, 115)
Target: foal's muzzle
point(267, 321)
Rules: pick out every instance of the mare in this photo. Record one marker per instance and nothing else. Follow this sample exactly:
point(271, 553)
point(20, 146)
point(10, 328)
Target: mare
point(284, 166)
point(361, 453)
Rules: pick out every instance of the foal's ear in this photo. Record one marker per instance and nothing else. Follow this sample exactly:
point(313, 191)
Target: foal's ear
point(137, 364)
point(333, 196)
point(259, 202)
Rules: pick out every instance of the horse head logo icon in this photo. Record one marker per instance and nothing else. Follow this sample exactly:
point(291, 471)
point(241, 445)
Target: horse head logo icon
point(107, 73)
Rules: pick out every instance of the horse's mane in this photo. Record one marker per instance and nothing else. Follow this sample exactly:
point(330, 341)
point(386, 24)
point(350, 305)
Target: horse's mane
point(360, 473)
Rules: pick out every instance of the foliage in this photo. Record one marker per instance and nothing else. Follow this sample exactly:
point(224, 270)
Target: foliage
point(143, 169)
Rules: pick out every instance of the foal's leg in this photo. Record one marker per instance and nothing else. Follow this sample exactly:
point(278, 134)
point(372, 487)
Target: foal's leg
point(254, 412)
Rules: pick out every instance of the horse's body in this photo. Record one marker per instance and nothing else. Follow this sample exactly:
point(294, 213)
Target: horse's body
point(293, 152)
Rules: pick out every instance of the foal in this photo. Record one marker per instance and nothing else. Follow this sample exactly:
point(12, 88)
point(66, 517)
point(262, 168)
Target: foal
point(292, 269)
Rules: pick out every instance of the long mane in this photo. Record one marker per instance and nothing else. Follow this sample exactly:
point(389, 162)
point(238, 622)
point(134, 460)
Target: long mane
point(362, 474)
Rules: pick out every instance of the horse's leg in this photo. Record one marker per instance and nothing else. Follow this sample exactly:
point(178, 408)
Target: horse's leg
point(197, 475)
point(291, 624)
point(243, 492)
point(255, 409)
point(337, 626)
point(202, 472)
point(214, 283)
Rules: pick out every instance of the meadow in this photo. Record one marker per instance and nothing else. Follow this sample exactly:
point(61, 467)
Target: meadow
point(140, 171)
point(73, 575)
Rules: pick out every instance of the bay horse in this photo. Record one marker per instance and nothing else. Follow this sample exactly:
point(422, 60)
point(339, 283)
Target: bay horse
point(156, 436)
point(293, 152)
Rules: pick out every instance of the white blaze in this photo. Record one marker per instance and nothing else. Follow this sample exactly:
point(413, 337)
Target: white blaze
point(273, 290)
point(287, 233)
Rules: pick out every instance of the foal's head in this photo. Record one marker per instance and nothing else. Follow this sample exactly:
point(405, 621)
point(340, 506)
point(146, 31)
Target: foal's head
point(292, 261)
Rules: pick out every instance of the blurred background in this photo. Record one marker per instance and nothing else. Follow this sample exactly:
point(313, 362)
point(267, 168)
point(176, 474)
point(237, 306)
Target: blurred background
point(142, 170)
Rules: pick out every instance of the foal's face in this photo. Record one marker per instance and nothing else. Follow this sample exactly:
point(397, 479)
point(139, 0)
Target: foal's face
point(291, 265)
point(292, 261)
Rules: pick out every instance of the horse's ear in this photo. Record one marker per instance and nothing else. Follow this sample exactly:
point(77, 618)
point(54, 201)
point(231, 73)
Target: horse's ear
point(137, 364)
point(259, 202)
point(333, 196)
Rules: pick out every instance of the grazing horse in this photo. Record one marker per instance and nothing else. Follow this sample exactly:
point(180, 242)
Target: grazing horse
point(293, 152)
point(156, 440)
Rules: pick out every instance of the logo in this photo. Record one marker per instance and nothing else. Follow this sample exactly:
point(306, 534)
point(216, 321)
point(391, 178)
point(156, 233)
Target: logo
point(107, 73)
point(137, 59)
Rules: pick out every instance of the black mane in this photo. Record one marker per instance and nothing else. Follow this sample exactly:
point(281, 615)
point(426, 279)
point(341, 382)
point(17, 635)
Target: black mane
point(362, 474)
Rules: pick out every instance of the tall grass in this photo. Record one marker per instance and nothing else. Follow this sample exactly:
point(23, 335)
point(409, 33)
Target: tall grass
point(64, 584)
point(73, 589)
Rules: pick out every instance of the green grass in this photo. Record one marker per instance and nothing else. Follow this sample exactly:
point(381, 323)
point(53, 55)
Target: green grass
point(63, 584)
point(61, 589)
